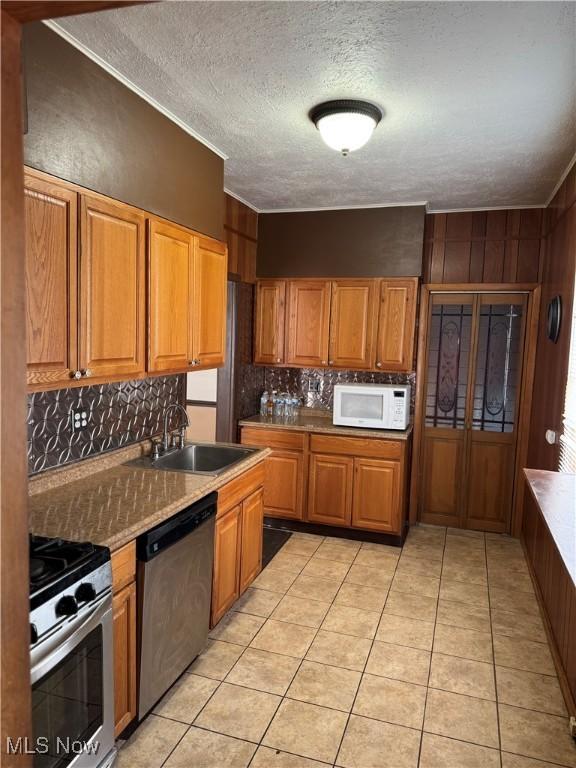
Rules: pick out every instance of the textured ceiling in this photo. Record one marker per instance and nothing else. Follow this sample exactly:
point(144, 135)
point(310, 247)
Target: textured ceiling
point(479, 97)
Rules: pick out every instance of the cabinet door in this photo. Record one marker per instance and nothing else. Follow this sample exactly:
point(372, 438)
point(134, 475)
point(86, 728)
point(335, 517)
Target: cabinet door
point(112, 326)
point(226, 586)
point(269, 328)
point(252, 529)
point(209, 303)
point(330, 489)
point(124, 611)
point(284, 485)
point(377, 495)
point(308, 322)
point(352, 324)
point(170, 275)
point(396, 325)
point(51, 292)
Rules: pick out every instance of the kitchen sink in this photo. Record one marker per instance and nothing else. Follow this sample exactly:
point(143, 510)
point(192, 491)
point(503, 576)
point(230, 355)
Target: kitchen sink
point(202, 458)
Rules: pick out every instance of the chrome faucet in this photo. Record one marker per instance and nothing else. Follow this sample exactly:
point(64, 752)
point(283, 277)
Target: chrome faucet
point(182, 428)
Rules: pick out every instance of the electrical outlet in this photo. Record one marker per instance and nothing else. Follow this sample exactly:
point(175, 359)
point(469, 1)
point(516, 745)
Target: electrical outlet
point(314, 385)
point(79, 420)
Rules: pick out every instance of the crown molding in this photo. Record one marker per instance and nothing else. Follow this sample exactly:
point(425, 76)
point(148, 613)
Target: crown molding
point(561, 179)
point(342, 207)
point(65, 35)
point(485, 208)
point(242, 200)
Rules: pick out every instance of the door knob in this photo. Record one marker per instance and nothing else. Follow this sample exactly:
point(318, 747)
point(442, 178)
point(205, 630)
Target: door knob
point(75, 375)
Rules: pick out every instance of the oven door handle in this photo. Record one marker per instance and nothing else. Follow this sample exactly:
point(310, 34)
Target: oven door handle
point(55, 648)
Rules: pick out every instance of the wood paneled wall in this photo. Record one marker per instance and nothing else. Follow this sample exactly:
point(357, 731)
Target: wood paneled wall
point(241, 230)
point(484, 246)
point(552, 359)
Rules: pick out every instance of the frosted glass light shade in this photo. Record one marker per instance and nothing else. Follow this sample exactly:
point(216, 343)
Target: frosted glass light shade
point(346, 124)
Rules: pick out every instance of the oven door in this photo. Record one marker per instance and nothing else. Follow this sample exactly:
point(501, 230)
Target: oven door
point(72, 693)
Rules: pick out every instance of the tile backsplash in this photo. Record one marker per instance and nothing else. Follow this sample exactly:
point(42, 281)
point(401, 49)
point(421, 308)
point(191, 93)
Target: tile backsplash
point(315, 386)
point(117, 414)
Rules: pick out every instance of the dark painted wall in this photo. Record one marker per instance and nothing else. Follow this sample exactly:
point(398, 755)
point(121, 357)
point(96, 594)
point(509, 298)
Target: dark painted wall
point(85, 126)
point(366, 242)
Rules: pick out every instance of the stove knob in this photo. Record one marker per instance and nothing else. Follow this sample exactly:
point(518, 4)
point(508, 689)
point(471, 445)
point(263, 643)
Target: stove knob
point(66, 606)
point(85, 593)
point(33, 634)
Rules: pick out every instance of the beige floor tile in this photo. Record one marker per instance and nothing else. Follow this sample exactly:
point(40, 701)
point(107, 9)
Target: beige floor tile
point(274, 758)
point(463, 615)
point(504, 543)
point(325, 569)
point(323, 590)
point(237, 628)
point(415, 584)
point(206, 749)
point(439, 752)
point(402, 630)
point(424, 550)
point(382, 548)
point(296, 545)
point(343, 542)
point(534, 734)
point(461, 717)
point(239, 712)
point(186, 698)
point(307, 730)
point(325, 685)
point(523, 654)
point(286, 639)
point(379, 578)
point(464, 592)
point(264, 671)
point(377, 559)
point(464, 532)
point(340, 650)
point(411, 606)
point(514, 564)
point(426, 530)
point(505, 579)
point(216, 660)
point(470, 574)
point(151, 743)
point(399, 662)
point(372, 744)
point(299, 610)
point(358, 596)
point(529, 690)
point(284, 561)
point(351, 621)
point(472, 678)
point(258, 602)
point(339, 553)
point(391, 700)
point(466, 643)
point(513, 600)
point(301, 535)
point(464, 545)
point(274, 580)
point(517, 761)
point(518, 625)
point(417, 565)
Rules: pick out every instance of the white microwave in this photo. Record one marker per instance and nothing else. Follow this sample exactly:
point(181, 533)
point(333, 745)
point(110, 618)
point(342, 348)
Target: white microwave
point(377, 406)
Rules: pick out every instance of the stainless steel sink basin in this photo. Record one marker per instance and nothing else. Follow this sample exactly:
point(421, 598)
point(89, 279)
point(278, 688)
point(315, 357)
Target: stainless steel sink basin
point(202, 458)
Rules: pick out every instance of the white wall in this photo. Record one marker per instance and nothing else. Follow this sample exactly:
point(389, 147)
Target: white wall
point(201, 385)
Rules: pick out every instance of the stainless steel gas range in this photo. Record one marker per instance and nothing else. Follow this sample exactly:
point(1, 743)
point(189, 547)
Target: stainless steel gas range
point(71, 654)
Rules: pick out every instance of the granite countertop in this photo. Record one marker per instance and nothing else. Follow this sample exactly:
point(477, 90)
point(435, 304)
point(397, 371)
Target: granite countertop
point(321, 421)
point(115, 505)
point(555, 494)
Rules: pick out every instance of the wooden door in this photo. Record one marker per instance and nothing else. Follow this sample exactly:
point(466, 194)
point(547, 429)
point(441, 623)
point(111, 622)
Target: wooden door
point(226, 582)
point(330, 489)
point(170, 276)
point(51, 290)
point(442, 484)
point(284, 485)
point(209, 303)
point(376, 503)
point(396, 325)
point(352, 321)
point(308, 323)
point(124, 612)
point(251, 546)
point(269, 328)
point(112, 279)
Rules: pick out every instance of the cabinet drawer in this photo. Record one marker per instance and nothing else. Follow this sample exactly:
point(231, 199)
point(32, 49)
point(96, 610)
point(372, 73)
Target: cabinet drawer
point(274, 438)
point(373, 448)
point(123, 566)
point(236, 490)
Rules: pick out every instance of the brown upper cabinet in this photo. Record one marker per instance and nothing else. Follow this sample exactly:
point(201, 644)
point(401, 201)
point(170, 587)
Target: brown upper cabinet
point(357, 324)
point(269, 325)
point(308, 322)
point(209, 302)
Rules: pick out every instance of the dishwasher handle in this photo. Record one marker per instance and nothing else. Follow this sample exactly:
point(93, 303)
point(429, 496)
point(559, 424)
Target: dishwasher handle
point(158, 539)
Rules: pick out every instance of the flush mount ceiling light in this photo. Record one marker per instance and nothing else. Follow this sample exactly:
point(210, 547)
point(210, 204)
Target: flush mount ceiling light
point(345, 124)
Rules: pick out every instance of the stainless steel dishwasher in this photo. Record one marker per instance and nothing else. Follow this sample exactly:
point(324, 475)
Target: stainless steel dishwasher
point(174, 593)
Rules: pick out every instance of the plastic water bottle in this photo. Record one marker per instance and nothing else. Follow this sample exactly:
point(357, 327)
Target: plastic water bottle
point(264, 404)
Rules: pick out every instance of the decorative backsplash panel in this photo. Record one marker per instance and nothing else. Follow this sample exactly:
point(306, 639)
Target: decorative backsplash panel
point(117, 414)
point(315, 386)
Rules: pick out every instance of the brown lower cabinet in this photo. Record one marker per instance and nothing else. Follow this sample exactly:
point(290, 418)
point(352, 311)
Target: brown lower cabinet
point(124, 613)
point(238, 539)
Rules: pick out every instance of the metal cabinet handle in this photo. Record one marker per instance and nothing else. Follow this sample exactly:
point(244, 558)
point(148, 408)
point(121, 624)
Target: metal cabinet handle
point(75, 375)
point(378, 365)
point(330, 362)
point(277, 359)
point(191, 362)
point(85, 372)
point(323, 362)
